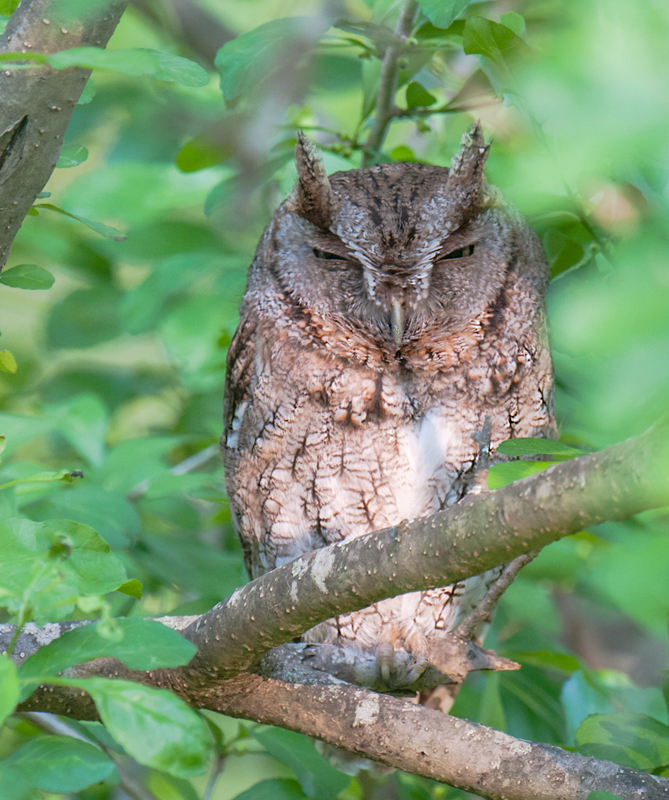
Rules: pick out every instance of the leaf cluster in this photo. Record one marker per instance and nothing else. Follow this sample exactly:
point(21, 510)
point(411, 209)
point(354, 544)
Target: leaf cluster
point(120, 301)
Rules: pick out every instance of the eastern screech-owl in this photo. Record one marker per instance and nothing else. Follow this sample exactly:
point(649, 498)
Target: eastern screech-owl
point(388, 312)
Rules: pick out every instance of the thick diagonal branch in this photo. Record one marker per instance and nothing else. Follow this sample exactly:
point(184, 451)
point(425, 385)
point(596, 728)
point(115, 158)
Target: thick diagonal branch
point(37, 103)
point(480, 532)
point(403, 735)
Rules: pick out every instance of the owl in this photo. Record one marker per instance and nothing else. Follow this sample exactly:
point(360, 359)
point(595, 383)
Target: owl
point(389, 312)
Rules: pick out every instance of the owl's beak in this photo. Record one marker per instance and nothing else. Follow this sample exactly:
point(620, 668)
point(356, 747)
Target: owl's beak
point(397, 320)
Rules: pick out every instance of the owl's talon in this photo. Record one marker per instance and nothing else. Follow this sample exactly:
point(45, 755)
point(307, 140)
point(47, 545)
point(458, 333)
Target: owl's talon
point(399, 669)
point(417, 670)
point(385, 658)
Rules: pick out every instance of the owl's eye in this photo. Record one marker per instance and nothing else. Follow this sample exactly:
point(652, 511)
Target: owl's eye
point(461, 252)
point(325, 256)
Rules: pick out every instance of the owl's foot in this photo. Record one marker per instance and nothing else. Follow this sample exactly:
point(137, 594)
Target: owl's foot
point(446, 659)
point(399, 669)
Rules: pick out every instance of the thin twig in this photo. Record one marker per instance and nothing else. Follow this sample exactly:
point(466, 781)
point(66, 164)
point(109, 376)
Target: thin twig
point(388, 82)
point(213, 778)
point(468, 627)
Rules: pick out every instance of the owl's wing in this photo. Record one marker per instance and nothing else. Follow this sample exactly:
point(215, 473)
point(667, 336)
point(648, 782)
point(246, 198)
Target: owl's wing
point(239, 374)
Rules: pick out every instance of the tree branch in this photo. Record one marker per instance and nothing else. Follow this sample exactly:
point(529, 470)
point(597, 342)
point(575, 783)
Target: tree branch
point(478, 533)
point(403, 735)
point(37, 103)
point(388, 82)
point(468, 627)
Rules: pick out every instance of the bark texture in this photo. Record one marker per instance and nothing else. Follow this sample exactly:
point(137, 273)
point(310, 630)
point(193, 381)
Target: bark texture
point(234, 671)
point(37, 102)
point(478, 533)
point(392, 731)
point(229, 674)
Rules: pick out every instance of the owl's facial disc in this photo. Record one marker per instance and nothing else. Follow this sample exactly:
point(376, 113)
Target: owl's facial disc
point(400, 291)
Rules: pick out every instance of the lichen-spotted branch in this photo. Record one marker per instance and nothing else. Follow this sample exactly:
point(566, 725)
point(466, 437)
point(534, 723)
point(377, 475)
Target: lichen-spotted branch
point(37, 103)
point(481, 531)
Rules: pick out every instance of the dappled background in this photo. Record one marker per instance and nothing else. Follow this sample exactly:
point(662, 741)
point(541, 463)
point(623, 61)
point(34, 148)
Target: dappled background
point(118, 367)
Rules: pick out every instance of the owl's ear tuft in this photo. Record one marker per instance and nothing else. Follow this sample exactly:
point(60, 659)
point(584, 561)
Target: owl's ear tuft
point(466, 177)
point(315, 200)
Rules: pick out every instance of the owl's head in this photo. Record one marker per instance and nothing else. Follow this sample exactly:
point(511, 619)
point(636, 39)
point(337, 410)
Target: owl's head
point(396, 247)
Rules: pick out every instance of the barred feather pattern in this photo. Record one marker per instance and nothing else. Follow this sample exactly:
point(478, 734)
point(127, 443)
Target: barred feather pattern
point(377, 334)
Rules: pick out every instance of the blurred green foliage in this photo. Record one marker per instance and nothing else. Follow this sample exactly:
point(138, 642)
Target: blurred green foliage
point(116, 370)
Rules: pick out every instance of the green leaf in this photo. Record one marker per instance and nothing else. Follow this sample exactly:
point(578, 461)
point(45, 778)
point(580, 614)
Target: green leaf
point(491, 711)
point(603, 796)
point(134, 460)
point(27, 276)
point(317, 777)
point(45, 477)
point(548, 659)
point(254, 56)
point(132, 588)
point(157, 727)
point(88, 93)
point(14, 785)
point(514, 22)
point(581, 696)
point(9, 688)
point(193, 566)
point(273, 789)
point(141, 61)
point(141, 644)
point(562, 252)
point(109, 513)
point(83, 421)
point(418, 96)
point(502, 474)
point(402, 153)
point(7, 362)
point(499, 48)
point(104, 230)
point(442, 12)
point(20, 428)
point(532, 447)
point(200, 153)
point(142, 307)
point(8, 7)
point(227, 190)
point(633, 740)
point(71, 156)
point(85, 318)
point(61, 763)
point(191, 335)
point(371, 73)
point(487, 38)
point(49, 564)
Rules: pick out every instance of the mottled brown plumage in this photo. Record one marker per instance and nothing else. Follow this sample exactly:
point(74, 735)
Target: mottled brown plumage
point(389, 311)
